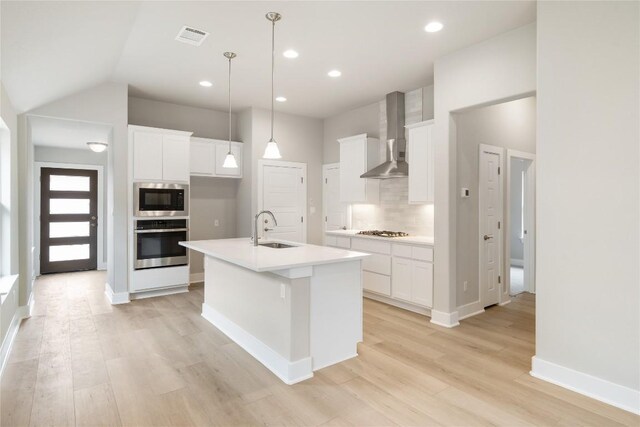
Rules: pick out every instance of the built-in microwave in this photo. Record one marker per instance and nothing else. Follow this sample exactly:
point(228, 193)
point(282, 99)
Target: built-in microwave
point(160, 199)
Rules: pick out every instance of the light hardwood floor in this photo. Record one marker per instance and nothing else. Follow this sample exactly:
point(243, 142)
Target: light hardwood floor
point(80, 361)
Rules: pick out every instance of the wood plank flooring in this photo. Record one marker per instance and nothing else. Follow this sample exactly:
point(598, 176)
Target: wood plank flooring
point(81, 361)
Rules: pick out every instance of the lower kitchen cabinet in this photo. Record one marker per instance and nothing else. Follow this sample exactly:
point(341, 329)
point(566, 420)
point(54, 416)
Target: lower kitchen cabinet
point(378, 283)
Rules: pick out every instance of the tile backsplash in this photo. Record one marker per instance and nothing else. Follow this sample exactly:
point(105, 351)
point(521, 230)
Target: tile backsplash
point(394, 211)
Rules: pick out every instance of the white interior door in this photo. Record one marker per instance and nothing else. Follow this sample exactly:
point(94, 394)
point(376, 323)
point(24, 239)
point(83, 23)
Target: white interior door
point(335, 212)
point(490, 187)
point(283, 192)
point(529, 227)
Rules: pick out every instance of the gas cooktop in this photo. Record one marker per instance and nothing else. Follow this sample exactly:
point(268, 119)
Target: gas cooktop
point(383, 233)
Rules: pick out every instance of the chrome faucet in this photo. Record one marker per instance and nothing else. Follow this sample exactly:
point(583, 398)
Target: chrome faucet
point(255, 225)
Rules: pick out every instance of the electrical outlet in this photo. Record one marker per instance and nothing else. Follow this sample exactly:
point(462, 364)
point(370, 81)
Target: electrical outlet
point(283, 291)
point(216, 223)
point(465, 285)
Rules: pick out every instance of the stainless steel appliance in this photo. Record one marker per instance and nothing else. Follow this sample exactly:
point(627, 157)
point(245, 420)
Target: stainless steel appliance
point(160, 199)
point(395, 165)
point(156, 243)
point(383, 233)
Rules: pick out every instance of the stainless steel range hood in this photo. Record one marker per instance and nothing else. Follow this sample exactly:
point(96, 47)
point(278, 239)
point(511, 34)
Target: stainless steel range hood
point(395, 166)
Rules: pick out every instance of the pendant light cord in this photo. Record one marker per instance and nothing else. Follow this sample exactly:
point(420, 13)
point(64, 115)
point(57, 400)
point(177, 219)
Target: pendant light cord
point(229, 105)
point(273, 56)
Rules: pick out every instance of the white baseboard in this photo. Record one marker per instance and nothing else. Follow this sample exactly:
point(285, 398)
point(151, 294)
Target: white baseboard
point(469, 310)
point(448, 320)
point(517, 262)
point(159, 292)
point(115, 298)
point(504, 302)
point(605, 391)
point(400, 304)
point(196, 277)
point(288, 372)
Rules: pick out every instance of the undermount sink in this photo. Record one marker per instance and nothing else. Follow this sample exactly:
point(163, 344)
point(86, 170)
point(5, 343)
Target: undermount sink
point(276, 245)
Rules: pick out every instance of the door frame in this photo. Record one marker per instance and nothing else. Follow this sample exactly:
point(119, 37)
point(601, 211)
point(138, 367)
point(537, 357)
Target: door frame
point(102, 265)
point(500, 238)
point(325, 168)
point(530, 223)
point(281, 163)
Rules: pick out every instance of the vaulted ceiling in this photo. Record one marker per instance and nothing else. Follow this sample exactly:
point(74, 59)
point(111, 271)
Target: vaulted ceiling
point(51, 49)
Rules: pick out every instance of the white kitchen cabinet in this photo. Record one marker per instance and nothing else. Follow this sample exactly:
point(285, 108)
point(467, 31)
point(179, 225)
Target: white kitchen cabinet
point(378, 283)
point(159, 154)
point(175, 158)
point(422, 283)
point(358, 154)
point(207, 158)
point(147, 156)
point(401, 282)
point(421, 159)
point(203, 157)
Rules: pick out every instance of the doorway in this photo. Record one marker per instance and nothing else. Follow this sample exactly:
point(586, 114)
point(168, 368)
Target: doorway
point(68, 219)
point(282, 189)
point(336, 213)
point(520, 224)
point(490, 223)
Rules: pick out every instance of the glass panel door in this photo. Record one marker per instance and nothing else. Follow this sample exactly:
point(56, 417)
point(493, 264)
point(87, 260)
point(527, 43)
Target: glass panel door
point(68, 220)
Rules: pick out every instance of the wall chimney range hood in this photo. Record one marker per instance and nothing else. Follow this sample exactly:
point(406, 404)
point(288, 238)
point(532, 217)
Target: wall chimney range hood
point(395, 165)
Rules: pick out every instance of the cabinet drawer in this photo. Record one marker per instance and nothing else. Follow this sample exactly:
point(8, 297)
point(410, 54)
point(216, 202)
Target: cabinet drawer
point(330, 241)
point(376, 283)
point(421, 253)
point(402, 250)
point(343, 242)
point(374, 246)
point(377, 263)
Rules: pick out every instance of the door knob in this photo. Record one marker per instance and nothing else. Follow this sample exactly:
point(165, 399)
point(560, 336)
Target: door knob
point(268, 229)
point(93, 224)
point(487, 237)
point(93, 218)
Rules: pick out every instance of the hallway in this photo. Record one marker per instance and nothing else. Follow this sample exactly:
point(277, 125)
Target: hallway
point(80, 361)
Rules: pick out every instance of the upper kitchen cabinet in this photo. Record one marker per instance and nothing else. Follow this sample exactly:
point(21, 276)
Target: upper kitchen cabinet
point(358, 154)
point(207, 158)
point(420, 156)
point(159, 154)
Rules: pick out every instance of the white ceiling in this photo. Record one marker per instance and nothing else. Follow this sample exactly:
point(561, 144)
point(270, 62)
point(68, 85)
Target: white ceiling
point(51, 49)
point(51, 132)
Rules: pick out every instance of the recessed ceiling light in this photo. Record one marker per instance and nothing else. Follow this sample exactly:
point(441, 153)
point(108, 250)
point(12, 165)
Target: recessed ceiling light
point(206, 83)
point(290, 54)
point(433, 27)
point(334, 73)
point(281, 99)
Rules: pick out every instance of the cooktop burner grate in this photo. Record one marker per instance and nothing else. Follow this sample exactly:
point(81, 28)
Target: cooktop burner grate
point(383, 233)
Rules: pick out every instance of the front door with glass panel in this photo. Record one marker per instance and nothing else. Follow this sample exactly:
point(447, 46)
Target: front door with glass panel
point(68, 220)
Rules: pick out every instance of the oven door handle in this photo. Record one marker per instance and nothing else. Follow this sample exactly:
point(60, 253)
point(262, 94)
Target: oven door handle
point(162, 230)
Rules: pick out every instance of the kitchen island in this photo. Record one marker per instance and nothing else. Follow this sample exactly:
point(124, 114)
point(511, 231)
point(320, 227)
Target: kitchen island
point(295, 309)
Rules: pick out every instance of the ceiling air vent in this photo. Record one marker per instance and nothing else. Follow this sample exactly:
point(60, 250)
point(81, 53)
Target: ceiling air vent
point(191, 36)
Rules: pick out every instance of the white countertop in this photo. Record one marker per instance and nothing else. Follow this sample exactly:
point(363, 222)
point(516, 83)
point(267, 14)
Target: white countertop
point(261, 258)
point(415, 240)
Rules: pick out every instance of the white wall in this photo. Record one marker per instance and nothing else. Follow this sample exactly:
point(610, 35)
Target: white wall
point(300, 139)
point(82, 157)
point(244, 201)
point(9, 248)
point(211, 198)
point(515, 210)
point(498, 69)
point(203, 122)
point(360, 120)
point(508, 125)
point(588, 183)
point(107, 104)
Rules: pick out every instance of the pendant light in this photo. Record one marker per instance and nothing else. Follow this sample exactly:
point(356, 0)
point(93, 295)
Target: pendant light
point(230, 159)
point(272, 151)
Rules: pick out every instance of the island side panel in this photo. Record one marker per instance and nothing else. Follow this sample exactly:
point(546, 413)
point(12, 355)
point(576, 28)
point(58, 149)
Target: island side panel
point(249, 308)
point(336, 312)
